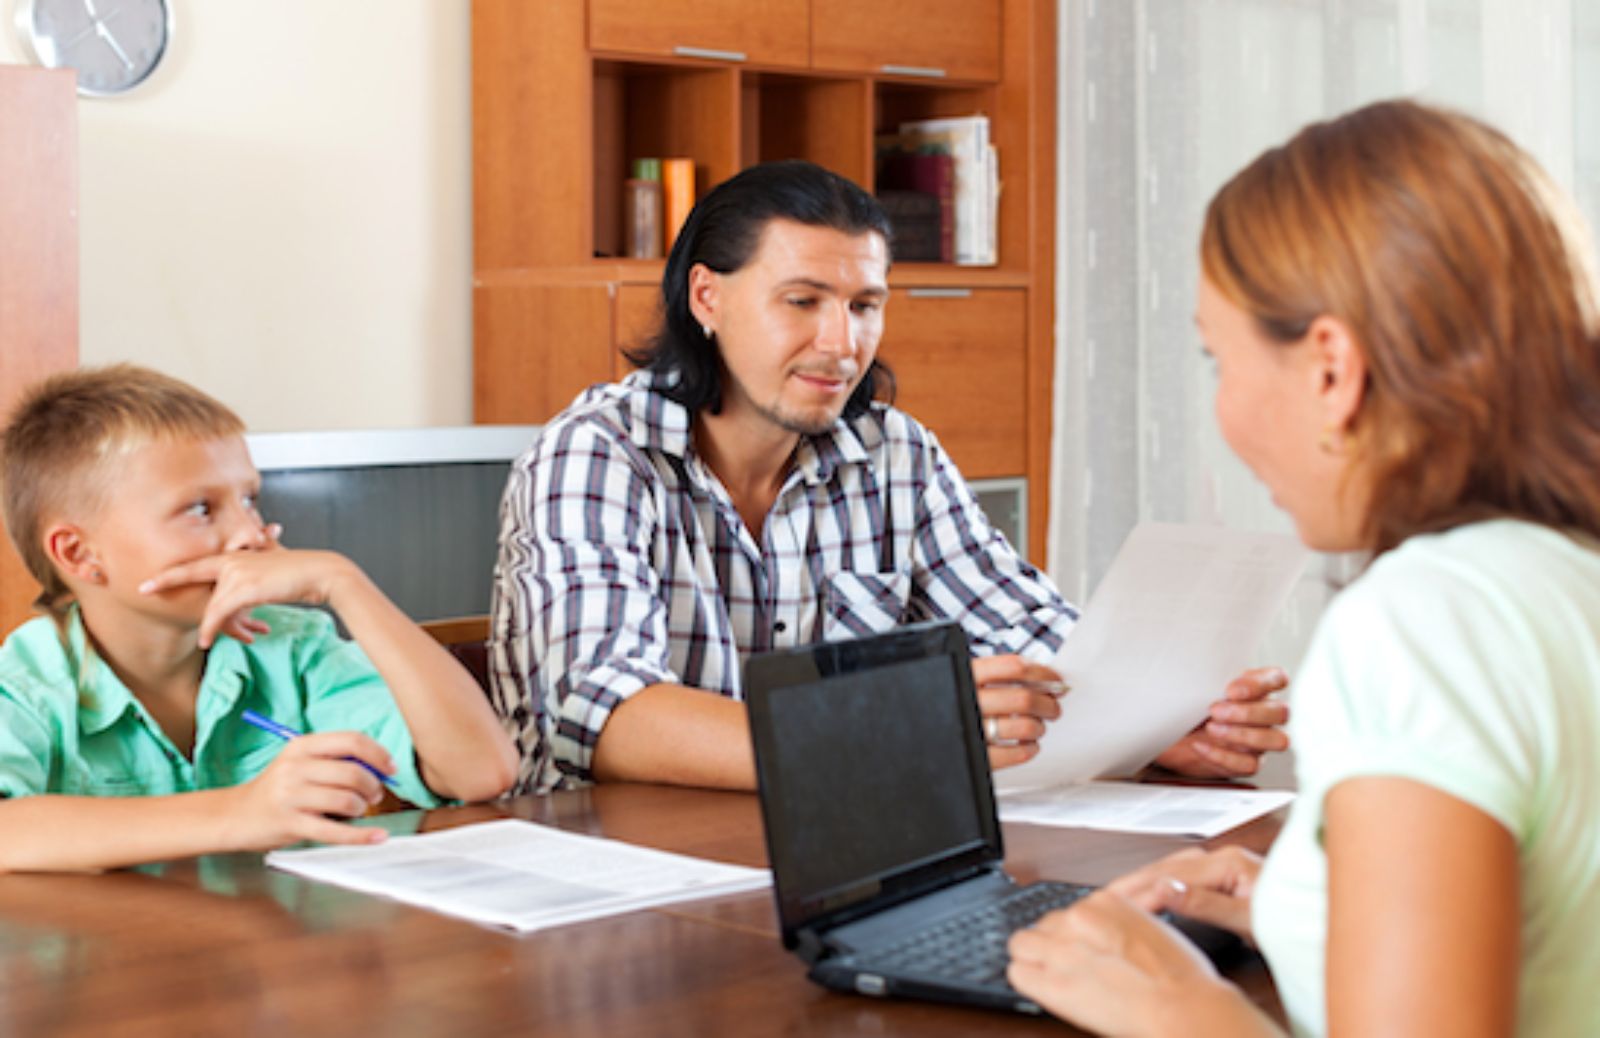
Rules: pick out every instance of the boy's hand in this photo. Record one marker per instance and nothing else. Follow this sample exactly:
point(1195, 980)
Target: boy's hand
point(242, 580)
point(314, 777)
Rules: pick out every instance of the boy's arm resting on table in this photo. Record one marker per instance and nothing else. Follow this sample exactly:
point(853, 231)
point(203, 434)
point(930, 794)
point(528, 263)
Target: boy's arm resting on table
point(315, 776)
point(461, 749)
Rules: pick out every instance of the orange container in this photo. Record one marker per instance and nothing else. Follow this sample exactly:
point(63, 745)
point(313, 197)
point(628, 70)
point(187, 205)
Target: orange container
point(677, 185)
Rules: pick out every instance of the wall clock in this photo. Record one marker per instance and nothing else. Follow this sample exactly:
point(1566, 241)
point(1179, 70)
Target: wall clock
point(113, 44)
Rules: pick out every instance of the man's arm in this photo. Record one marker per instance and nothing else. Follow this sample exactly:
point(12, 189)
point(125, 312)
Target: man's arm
point(678, 735)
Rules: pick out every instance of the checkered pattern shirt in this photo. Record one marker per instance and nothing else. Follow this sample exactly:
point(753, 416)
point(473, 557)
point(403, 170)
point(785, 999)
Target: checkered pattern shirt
point(623, 564)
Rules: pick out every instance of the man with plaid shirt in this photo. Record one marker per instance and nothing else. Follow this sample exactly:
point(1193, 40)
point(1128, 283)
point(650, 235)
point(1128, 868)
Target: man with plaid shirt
point(744, 491)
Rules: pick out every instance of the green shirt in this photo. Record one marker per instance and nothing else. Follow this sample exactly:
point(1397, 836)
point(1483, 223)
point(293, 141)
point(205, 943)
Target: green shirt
point(69, 725)
point(1468, 661)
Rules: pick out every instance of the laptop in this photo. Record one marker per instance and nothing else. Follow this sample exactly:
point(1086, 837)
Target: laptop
point(880, 820)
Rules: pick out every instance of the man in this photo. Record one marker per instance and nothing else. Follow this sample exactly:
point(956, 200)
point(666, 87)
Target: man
point(744, 492)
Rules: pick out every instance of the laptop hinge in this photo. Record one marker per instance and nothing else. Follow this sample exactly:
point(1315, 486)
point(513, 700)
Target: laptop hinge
point(809, 946)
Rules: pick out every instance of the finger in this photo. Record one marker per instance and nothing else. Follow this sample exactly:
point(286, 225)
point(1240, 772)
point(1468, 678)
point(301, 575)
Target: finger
point(1257, 683)
point(1013, 669)
point(1261, 713)
point(1228, 911)
point(198, 571)
point(1225, 762)
point(1245, 738)
point(1011, 756)
point(239, 627)
point(344, 744)
point(1008, 700)
point(326, 830)
point(1012, 730)
point(274, 535)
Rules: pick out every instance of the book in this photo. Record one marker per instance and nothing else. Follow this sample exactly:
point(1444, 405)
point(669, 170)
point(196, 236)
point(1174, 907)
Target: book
point(924, 167)
point(976, 166)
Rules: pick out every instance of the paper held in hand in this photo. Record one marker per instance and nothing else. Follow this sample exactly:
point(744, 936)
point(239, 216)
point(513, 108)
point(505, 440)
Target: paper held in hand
point(1178, 616)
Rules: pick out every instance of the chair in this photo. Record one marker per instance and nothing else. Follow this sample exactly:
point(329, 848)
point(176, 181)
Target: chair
point(467, 639)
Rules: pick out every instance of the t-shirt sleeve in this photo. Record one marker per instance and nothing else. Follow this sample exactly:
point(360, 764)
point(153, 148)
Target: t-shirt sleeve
point(1412, 675)
point(26, 749)
point(344, 692)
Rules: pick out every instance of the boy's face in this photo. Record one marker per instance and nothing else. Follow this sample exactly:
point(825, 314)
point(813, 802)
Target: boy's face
point(170, 502)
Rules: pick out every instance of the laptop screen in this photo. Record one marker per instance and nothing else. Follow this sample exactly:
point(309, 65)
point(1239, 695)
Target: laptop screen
point(874, 779)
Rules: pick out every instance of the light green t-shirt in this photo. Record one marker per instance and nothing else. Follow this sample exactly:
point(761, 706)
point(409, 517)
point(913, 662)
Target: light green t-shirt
point(1468, 661)
point(69, 725)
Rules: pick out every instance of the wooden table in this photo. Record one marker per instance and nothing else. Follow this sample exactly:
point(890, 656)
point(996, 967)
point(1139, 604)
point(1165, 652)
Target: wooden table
point(222, 945)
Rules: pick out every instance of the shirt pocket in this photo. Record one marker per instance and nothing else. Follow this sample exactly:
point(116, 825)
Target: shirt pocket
point(858, 604)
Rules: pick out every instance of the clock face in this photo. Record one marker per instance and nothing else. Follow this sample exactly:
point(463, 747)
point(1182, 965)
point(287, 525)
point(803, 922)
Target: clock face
point(113, 44)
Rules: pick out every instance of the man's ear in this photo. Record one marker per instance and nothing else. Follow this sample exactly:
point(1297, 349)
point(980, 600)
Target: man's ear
point(70, 552)
point(1340, 369)
point(705, 288)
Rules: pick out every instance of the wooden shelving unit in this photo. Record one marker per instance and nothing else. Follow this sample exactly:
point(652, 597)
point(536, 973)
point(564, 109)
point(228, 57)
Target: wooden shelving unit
point(566, 93)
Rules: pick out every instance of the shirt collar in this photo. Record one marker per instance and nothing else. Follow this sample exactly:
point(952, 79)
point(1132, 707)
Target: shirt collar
point(662, 425)
point(103, 699)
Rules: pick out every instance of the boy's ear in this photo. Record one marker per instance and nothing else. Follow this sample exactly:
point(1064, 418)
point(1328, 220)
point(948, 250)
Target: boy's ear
point(71, 554)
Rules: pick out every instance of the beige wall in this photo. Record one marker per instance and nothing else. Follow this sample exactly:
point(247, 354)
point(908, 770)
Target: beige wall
point(282, 213)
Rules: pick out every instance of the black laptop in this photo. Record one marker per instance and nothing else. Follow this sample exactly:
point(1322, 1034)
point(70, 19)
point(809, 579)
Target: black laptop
point(881, 827)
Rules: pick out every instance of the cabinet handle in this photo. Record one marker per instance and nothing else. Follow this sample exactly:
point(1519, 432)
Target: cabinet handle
point(914, 70)
point(939, 293)
point(709, 53)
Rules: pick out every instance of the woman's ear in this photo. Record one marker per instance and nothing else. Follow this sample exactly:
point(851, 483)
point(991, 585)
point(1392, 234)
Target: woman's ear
point(70, 552)
point(1340, 368)
point(705, 288)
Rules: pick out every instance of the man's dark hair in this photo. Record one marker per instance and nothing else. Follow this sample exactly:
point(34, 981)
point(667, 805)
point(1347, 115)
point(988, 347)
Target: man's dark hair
point(722, 232)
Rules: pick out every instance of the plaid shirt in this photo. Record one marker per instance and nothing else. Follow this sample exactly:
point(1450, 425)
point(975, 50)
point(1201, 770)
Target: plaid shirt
point(623, 563)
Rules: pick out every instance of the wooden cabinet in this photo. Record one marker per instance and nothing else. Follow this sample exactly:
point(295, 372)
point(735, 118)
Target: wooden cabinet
point(958, 39)
point(566, 93)
point(38, 260)
point(775, 32)
point(959, 357)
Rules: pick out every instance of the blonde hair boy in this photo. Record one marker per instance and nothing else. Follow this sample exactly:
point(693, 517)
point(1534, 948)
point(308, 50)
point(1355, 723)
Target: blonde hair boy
point(131, 497)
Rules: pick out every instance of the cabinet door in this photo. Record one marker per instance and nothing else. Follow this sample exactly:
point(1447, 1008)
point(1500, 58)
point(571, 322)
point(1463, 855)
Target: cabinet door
point(637, 316)
point(536, 347)
point(767, 32)
point(959, 39)
point(959, 359)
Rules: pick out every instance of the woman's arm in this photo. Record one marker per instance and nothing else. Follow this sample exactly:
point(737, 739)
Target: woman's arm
point(1424, 913)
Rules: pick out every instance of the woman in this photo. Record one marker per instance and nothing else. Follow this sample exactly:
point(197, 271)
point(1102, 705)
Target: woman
point(1403, 318)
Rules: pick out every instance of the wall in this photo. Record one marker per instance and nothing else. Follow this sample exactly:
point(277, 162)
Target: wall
point(282, 213)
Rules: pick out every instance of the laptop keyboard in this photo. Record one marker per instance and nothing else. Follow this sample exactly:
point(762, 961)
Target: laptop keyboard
point(971, 947)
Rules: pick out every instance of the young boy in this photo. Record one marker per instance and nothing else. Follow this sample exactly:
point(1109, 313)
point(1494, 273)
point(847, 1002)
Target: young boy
point(131, 497)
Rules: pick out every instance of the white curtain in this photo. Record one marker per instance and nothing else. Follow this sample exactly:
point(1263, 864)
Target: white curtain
point(1160, 102)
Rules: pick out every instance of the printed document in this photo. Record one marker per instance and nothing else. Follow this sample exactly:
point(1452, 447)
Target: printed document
point(1138, 807)
point(1177, 617)
point(520, 875)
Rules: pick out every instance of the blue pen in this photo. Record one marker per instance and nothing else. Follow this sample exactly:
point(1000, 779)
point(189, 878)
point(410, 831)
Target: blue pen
point(284, 732)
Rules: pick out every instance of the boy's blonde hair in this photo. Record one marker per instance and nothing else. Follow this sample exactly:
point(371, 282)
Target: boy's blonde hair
point(59, 444)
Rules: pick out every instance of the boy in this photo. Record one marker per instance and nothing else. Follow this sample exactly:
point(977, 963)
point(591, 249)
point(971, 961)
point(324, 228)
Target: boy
point(131, 497)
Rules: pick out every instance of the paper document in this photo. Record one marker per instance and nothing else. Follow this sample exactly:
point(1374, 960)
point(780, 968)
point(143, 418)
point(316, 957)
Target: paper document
point(1133, 807)
point(517, 874)
point(1176, 618)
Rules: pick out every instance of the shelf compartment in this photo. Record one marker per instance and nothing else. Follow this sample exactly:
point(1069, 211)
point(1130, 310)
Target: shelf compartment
point(822, 120)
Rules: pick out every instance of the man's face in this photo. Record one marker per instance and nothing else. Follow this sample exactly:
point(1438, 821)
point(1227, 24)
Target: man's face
point(798, 326)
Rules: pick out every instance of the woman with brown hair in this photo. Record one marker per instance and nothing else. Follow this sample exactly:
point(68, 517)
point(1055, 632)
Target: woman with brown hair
point(1402, 311)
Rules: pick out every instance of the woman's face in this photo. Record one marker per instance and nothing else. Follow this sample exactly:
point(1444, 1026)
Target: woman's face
point(1274, 409)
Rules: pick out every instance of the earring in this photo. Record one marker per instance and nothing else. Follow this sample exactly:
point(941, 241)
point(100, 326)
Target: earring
point(1331, 441)
point(706, 328)
point(97, 573)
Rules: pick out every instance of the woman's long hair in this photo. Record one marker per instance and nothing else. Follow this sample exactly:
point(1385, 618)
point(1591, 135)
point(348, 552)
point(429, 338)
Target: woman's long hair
point(1467, 280)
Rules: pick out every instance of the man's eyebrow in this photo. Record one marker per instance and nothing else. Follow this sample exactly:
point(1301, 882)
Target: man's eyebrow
point(820, 286)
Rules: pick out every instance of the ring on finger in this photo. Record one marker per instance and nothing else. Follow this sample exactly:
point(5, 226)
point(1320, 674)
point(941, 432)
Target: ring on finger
point(991, 728)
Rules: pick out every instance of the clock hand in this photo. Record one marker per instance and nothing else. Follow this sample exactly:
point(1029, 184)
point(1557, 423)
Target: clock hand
point(88, 5)
point(111, 41)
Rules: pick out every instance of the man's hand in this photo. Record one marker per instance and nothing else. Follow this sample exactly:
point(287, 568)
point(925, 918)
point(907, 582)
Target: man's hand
point(313, 778)
point(1242, 726)
point(1016, 698)
point(242, 580)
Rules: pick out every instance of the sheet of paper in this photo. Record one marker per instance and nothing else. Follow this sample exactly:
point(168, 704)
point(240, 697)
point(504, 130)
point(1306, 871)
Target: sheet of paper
point(1143, 808)
point(1177, 617)
point(519, 875)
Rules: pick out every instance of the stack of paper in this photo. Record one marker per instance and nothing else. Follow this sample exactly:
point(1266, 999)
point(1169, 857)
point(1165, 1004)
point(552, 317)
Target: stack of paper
point(517, 874)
